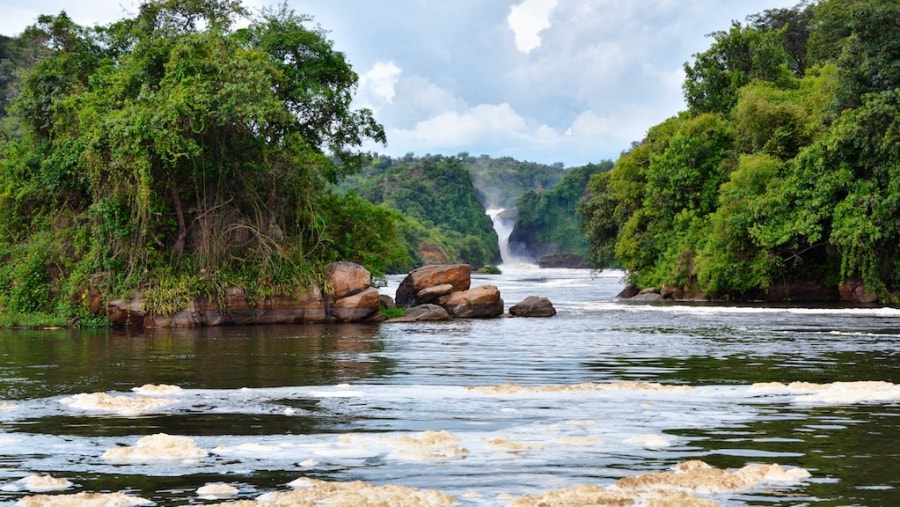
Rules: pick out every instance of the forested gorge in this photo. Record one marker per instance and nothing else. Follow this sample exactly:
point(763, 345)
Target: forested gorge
point(176, 155)
point(784, 168)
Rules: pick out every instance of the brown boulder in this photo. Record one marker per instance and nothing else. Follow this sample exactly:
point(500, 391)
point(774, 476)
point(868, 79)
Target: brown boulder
point(431, 293)
point(648, 294)
point(533, 306)
point(481, 302)
point(423, 313)
point(628, 292)
point(126, 312)
point(854, 291)
point(356, 308)
point(347, 279)
point(457, 275)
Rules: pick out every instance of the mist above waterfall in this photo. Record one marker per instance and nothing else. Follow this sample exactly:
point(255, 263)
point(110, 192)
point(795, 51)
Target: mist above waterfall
point(503, 226)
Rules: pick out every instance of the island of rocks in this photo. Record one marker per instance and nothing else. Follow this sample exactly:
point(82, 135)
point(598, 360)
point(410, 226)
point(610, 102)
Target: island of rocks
point(430, 293)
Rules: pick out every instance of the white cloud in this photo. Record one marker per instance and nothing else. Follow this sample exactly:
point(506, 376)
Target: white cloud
point(527, 20)
point(456, 130)
point(379, 81)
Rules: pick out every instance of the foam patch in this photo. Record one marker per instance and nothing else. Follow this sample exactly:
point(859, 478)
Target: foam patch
point(159, 447)
point(83, 500)
point(583, 387)
point(121, 405)
point(157, 390)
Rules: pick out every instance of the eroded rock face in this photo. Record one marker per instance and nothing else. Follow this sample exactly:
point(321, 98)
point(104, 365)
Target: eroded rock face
point(481, 302)
point(347, 279)
point(127, 312)
point(356, 308)
point(459, 276)
point(352, 299)
point(854, 291)
point(533, 306)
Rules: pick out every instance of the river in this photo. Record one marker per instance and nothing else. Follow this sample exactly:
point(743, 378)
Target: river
point(486, 411)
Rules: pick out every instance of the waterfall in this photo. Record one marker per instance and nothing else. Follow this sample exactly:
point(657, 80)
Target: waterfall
point(504, 228)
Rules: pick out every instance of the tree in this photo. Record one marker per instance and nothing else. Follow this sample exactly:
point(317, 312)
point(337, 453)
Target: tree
point(736, 58)
point(178, 144)
point(794, 27)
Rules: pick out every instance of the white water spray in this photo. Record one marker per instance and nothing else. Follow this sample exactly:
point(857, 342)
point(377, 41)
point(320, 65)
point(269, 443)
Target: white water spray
point(504, 229)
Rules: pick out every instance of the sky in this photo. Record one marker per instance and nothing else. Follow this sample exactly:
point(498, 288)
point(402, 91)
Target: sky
point(547, 81)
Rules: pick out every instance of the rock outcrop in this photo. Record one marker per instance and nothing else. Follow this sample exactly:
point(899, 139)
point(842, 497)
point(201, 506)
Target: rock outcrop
point(533, 306)
point(446, 286)
point(481, 302)
point(424, 313)
point(458, 276)
point(563, 260)
point(350, 298)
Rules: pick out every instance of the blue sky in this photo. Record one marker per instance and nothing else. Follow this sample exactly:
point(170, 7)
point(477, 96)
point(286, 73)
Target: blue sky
point(571, 81)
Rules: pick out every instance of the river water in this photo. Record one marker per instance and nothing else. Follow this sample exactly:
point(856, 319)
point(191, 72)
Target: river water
point(669, 383)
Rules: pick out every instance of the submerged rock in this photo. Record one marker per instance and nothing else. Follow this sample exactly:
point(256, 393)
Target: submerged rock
point(424, 313)
point(533, 306)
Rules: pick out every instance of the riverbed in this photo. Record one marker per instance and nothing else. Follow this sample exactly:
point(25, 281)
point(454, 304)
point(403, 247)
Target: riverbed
point(485, 412)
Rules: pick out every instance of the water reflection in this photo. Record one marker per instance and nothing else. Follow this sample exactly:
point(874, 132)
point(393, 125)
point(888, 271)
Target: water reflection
point(273, 398)
point(46, 363)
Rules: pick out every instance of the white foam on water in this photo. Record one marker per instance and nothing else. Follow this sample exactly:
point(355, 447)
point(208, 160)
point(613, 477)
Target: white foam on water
point(544, 424)
point(835, 393)
point(38, 484)
point(337, 394)
point(317, 492)
point(217, 491)
point(157, 390)
point(705, 309)
point(158, 447)
point(121, 405)
point(118, 499)
point(650, 441)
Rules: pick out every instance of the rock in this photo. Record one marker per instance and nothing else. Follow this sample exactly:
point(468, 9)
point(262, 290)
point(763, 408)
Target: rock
point(431, 293)
point(457, 275)
point(647, 296)
point(126, 313)
point(356, 308)
point(481, 302)
point(628, 292)
point(854, 291)
point(386, 301)
point(803, 290)
point(562, 260)
point(347, 279)
point(533, 306)
point(424, 313)
point(671, 292)
point(305, 306)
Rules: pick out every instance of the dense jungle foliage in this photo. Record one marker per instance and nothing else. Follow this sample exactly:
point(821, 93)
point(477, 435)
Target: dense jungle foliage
point(174, 154)
point(444, 221)
point(547, 221)
point(786, 165)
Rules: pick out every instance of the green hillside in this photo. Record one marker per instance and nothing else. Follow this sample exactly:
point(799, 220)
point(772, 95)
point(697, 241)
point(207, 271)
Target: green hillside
point(785, 167)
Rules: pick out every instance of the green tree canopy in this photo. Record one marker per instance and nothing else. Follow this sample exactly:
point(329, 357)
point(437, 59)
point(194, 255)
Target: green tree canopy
point(783, 169)
point(172, 142)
